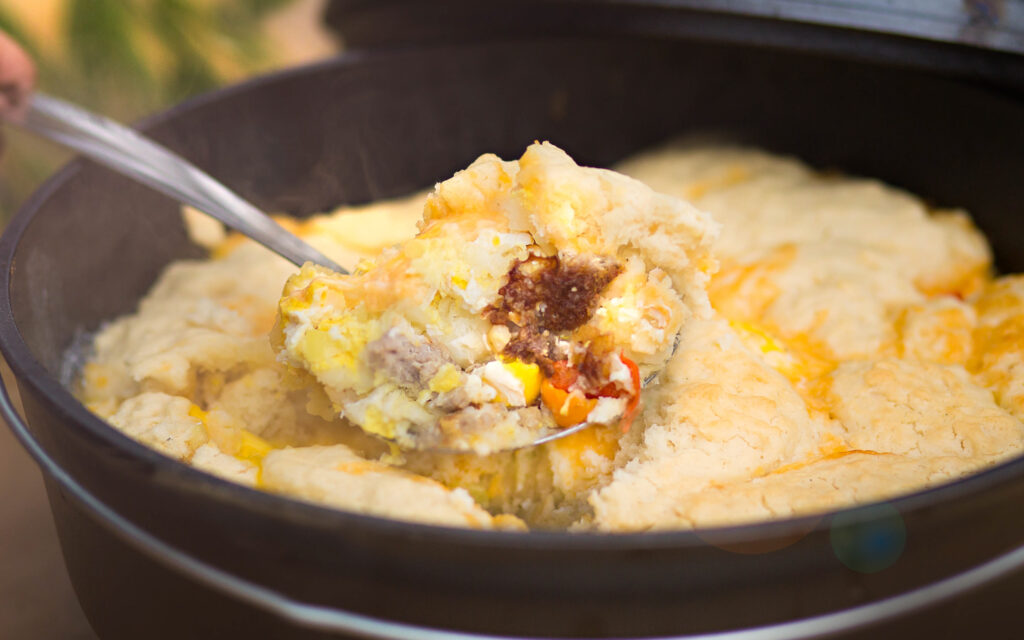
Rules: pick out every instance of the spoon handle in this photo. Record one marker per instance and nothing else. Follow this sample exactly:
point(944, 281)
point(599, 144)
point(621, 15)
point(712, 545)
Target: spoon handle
point(125, 151)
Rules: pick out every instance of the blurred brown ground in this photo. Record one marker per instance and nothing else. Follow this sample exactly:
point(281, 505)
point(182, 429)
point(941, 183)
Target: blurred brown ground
point(36, 599)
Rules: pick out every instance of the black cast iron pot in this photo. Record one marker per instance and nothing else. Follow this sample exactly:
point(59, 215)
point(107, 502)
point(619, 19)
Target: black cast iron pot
point(156, 549)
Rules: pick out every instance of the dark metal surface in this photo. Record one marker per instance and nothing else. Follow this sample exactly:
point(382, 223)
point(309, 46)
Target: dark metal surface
point(377, 125)
point(972, 38)
point(992, 24)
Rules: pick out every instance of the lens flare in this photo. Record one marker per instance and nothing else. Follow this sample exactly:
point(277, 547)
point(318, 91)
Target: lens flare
point(869, 540)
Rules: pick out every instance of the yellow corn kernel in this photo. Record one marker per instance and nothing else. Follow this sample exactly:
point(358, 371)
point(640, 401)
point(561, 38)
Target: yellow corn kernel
point(527, 374)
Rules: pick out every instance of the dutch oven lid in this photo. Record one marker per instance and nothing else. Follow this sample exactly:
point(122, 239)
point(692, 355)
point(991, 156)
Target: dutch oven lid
point(981, 39)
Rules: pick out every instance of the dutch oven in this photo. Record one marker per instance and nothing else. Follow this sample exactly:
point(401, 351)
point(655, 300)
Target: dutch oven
point(156, 549)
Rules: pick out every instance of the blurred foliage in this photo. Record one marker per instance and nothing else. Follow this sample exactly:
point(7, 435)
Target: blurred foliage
point(127, 58)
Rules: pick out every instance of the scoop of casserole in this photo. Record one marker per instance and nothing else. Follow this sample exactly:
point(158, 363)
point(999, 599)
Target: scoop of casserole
point(537, 295)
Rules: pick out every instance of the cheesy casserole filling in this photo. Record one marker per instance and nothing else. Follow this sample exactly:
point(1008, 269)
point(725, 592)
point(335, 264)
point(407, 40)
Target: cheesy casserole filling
point(819, 341)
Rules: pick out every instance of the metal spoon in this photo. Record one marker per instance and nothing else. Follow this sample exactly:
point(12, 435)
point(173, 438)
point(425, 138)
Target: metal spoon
point(127, 152)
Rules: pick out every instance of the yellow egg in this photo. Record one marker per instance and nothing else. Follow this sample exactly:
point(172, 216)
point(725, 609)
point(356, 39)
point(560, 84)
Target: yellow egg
point(446, 379)
point(251, 447)
point(195, 412)
point(376, 422)
point(323, 353)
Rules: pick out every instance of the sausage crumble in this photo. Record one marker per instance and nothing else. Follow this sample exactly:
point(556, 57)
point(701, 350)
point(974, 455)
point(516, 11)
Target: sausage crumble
point(545, 296)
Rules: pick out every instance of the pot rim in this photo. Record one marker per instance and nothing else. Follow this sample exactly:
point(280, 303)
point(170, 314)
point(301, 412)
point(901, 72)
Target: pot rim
point(30, 371)
point(336, 619)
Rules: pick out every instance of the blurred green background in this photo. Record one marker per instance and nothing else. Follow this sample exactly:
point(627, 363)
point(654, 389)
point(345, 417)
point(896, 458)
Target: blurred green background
point(130, 58)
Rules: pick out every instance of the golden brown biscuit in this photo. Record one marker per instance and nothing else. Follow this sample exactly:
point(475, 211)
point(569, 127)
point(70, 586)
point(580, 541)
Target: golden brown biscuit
point(921, 409)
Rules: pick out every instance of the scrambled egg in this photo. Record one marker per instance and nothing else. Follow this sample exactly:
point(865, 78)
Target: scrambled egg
point(838, 342)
